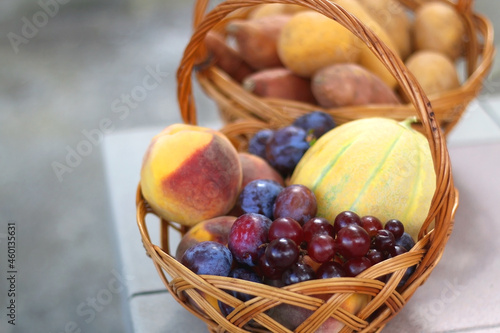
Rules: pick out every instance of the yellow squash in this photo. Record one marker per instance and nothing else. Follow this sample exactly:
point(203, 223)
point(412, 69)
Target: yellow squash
point(373, 166)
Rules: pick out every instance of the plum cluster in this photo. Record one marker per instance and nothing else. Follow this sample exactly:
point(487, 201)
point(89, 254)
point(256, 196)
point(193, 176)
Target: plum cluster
point(284, 147)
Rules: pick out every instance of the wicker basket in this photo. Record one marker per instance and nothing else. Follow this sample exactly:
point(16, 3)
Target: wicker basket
point(234, 102)
point(387, 299)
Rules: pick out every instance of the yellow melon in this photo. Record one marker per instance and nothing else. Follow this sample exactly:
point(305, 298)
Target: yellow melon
point(373, 166)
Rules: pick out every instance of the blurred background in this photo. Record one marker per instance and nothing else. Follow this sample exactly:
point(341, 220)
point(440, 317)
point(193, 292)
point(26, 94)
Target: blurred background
point(65, 65)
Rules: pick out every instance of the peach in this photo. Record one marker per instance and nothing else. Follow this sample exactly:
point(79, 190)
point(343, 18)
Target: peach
point(255, 167)
point(215, 229)
point(190, 174)
point(292, 316)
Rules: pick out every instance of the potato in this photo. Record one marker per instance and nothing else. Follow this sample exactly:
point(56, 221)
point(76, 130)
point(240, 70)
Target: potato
point(435, 72)
point(256, 39)
point(392, 16)
point(439, 27)
point(226, 58)
point(367, 58)
point(310, 41)
point(280, 83)
point(350, 84)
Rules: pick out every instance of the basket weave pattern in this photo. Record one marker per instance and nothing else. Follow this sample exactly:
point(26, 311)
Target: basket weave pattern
point(386, 299)
point(235, 103)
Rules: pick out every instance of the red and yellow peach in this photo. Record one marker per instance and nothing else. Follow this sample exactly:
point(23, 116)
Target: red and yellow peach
point(190, 174)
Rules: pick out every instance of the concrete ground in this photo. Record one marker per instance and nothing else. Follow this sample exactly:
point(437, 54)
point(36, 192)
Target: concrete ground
point(68, 70)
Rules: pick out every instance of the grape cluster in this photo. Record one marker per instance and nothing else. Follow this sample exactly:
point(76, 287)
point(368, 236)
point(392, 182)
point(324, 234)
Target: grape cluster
point(294, 244)
point(364, 241)
point(289, 243)
point(284, 147)
point(291, 252)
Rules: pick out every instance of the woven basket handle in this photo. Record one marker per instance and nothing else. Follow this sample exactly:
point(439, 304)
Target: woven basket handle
point(200, 9)
point(465, 6)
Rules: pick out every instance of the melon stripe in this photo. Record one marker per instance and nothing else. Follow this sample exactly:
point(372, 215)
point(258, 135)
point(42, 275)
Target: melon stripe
point(376, 170)
point(417, 186)
point(330, 166)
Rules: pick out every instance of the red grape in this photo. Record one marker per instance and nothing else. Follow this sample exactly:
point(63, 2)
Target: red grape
point(267, 270)
point(298, 272)
point(344, 219)
point(384, 240)
point(375, 256)
point(282, 252)
point(317, 226)
point(330, 269)
point(352, 241)
point(321, 248)
point(286, 227)
point(355, 266)
point(396, 251)
point(371, 224)
point(396, 227)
